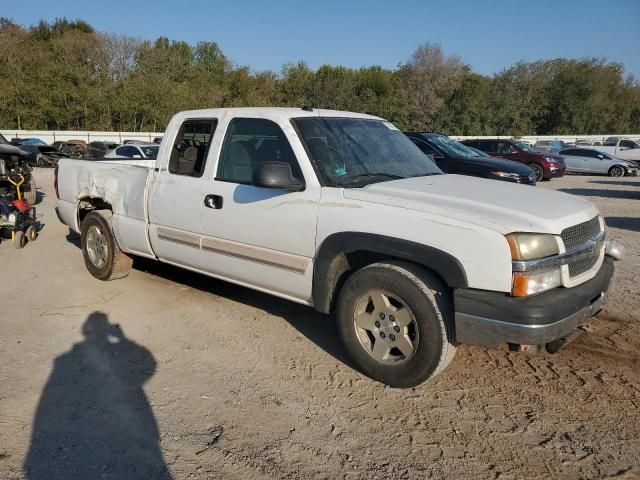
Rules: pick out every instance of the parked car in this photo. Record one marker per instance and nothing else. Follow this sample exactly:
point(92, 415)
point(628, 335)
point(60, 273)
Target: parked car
point(33, 141)
point(544, 165)
point(144, 152)
point(584, 143)
point(41, 155)
point(98, 149)
point(586, 160)
point(340, 211)
point(624, 149)
point(549, 146)
point(75, 149)
point(452, 156)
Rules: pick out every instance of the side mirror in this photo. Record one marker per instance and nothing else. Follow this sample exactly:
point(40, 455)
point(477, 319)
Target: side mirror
point(601, 157)
point(276, 175)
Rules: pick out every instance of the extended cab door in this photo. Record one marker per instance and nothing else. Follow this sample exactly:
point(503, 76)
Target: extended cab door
point(176, 201)
point(261, 237)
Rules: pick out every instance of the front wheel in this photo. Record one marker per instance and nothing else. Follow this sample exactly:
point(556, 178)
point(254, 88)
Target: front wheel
point(538, 171)
point(616, 171)
point(102, 256)
point(394, 319)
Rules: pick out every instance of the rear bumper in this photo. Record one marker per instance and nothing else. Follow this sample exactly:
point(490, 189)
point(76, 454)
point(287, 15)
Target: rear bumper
point(492, 318)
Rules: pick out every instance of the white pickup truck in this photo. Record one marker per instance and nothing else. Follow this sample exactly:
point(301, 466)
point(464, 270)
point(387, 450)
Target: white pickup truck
point(623, 149)
point(342, 212)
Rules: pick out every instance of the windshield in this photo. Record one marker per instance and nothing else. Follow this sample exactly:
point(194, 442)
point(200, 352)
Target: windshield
point(451, 147)
point(356, 152)
point(150, 152)
point(3, 141)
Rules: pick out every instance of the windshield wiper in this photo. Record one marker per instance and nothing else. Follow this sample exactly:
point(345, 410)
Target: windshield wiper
point(425, 174)
point(372, 175)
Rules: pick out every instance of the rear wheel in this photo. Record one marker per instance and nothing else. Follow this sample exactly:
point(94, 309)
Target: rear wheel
point(616, 171)
point(29, 192)
point(538, 171)
point(31, 233)
point(102, 256)
point(395, 319)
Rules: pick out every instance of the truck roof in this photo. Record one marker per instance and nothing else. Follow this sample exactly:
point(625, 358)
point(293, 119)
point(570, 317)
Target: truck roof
point(282, 113)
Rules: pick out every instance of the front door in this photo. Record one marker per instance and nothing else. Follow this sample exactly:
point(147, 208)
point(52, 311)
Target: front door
point(261, 237)
point(175, 207)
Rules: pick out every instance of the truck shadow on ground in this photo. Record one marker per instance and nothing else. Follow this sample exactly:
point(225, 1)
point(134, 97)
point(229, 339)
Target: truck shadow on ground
point(93, 419)
point(596, 192)
point(318, 328)
point(624, 223)
point(616, 182)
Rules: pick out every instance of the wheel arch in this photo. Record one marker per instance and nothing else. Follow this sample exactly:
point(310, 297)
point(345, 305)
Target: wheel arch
point(87, 205)
point(617, 165)
point(343, 253)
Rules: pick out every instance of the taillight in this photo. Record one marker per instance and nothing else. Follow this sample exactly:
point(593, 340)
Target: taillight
point(55, 180)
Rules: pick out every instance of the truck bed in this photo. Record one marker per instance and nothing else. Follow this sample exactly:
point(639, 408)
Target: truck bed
point(122, 185)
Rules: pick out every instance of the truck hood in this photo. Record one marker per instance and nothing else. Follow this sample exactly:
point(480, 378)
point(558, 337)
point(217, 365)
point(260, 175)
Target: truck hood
point(500, 206)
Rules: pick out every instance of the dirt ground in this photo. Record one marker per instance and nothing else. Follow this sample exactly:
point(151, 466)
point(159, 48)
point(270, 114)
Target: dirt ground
point(188, 377)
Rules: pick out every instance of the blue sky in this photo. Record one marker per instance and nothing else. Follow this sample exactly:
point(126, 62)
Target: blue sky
point(488, 35)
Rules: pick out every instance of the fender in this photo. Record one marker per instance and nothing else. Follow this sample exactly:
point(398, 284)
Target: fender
point(331, 261)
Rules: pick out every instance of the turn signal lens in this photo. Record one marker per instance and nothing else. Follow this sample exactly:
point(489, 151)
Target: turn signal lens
point(528, 283)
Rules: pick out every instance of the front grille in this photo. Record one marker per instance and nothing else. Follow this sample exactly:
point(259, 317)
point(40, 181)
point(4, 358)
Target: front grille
point(584, 264)
point(577, 235)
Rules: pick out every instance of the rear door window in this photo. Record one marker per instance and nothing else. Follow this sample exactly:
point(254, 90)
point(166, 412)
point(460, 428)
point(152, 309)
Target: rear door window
point(127, 152)
point(191, 147)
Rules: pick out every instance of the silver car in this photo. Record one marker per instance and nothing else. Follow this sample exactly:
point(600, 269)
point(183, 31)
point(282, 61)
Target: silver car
point(585, 160)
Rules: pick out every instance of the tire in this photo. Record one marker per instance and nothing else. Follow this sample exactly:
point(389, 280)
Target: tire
point(408, 340)
point(19, 239)
point(31, 233)
point(102, 255)
point(30, 195)
point(616, 171)
point(538, 171)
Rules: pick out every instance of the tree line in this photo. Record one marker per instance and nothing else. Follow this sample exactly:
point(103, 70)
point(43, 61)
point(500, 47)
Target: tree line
point(66, 76)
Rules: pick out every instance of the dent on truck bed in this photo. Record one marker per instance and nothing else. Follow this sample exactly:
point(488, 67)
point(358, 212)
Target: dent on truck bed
point(331, 264)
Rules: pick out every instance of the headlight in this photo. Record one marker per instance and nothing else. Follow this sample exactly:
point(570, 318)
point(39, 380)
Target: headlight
point(528, 283)
point(506, 175)
point(530, 246)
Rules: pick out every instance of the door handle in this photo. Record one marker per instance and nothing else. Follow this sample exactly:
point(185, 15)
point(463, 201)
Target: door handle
point(213, 201)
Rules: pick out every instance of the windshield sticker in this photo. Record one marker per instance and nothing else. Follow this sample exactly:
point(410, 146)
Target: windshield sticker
point(340, 171)
point(390, 126)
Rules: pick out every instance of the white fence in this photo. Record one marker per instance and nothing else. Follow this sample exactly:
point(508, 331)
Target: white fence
point(50, 136)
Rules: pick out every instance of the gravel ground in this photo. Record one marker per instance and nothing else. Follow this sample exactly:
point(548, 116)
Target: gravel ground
point(183, 376)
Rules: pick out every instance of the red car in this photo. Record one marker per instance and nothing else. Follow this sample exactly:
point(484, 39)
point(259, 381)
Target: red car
point(544, 165)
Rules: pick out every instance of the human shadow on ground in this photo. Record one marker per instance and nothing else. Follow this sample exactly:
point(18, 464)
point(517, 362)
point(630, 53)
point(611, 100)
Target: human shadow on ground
point(94, 420)
point(624, 223)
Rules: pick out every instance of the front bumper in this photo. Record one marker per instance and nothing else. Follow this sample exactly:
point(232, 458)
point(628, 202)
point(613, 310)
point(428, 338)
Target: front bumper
point(492, 318)
point(555, 171)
